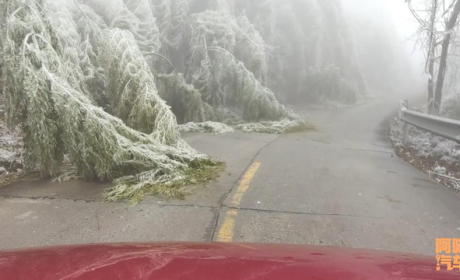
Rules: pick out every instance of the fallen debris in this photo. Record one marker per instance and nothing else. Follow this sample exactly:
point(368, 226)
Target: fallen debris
point(206, 127)
point(284, 126)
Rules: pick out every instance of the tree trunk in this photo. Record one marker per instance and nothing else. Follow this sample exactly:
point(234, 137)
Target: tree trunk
point(445, 51)
point(431, 85)
point(431, 59)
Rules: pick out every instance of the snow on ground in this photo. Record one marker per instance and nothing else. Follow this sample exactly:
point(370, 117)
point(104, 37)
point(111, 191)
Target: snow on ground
point(270, 127)
point(206, 127)
point(436, 156)
point(280, 127)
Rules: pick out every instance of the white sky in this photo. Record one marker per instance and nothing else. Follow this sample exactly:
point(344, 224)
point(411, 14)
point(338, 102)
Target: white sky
point(392, 12)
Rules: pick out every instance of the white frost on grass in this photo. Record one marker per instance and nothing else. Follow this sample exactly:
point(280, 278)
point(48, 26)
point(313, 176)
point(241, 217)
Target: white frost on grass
point(6, 156)
point(431, 146)
point(428, 147)
point(206, 127)
point(440, 170)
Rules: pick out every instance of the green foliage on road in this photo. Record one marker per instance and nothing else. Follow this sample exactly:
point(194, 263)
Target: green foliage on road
point(205, 173)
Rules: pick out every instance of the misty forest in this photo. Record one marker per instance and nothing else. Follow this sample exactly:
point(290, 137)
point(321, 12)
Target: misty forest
point(107, 86)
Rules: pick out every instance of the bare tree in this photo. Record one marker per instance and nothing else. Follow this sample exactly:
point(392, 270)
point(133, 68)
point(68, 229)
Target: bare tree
point(451, 23)
point(432, 55)
point(435, 37)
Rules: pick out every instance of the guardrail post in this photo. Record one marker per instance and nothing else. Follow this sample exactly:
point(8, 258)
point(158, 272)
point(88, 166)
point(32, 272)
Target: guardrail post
point(406, 133)
point(405, 105)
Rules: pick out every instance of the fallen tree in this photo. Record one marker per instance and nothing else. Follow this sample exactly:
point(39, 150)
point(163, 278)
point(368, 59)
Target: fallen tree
point(58, 118)
point(206, 127)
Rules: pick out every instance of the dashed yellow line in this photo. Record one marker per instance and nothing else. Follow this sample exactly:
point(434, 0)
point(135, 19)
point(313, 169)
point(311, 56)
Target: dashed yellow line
point(227, 229)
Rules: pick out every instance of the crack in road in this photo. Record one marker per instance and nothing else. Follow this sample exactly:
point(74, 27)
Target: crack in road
point(271, 211)
point(370, 151)
point(220, 208)
point(217, 209)
point(98, 222)
point(424, 180)
point(51, 198)
point(303, 213)
point(235, 184)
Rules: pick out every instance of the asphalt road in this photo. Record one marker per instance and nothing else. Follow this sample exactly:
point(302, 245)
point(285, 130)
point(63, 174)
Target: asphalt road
point(339, 185)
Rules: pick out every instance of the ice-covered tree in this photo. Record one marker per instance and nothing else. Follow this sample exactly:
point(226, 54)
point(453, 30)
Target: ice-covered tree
point(313, 36)
point(57, 118)
point(224, 55)
point(184, 99)
point(236, 35)
point(135, 16)
point(171, 17)
point(262, 15)
point(131, 88)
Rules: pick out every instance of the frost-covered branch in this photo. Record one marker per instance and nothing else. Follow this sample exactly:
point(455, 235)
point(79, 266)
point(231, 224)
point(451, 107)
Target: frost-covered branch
point(57, 118)
point(132, 90)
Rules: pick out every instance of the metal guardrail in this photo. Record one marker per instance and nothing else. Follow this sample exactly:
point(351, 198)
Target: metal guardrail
point(447, 128)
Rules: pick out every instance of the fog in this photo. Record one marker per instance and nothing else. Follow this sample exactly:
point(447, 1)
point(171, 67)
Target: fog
point(386, 11)
point(397, 19)
point(176, 99)
point(308, 51)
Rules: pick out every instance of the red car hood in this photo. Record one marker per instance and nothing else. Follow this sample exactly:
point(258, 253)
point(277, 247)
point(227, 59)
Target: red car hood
point(214, 261)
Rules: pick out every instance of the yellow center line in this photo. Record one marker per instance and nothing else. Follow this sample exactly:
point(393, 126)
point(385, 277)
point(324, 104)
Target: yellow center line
point(227, 228)
point(244, 184)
